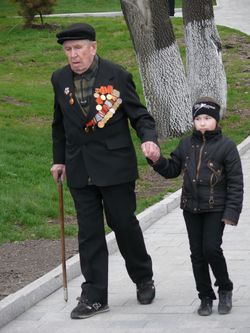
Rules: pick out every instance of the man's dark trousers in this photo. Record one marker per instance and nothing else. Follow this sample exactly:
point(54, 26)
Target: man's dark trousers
point(119, 204)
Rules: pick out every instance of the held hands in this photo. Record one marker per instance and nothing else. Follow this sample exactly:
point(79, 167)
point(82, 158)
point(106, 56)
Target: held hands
point(228, 222)
point(58, 172)
point(151, 151)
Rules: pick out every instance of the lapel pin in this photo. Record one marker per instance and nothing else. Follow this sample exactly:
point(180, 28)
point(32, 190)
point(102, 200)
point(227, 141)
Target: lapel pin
point(66, 91)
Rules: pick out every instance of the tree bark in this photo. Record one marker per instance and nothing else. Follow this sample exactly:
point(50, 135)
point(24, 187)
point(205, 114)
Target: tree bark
point(41, 18)
point(161, 68)
point(205, 71)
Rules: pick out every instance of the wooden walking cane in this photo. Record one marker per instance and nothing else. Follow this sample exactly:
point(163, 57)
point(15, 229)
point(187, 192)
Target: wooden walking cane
point(61, 220)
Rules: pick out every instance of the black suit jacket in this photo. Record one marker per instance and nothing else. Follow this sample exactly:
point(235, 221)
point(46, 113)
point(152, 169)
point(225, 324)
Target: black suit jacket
point(105, 155)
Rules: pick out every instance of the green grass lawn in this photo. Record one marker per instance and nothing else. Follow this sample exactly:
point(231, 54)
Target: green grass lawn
point(28, 196)
point(65, 6)
point(74, 6)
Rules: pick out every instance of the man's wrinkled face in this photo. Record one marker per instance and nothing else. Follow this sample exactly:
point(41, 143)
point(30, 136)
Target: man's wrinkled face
point(80, 54)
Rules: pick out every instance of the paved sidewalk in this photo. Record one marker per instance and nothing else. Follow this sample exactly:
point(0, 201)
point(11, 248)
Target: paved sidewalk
point(174, 309)
point(233, 14)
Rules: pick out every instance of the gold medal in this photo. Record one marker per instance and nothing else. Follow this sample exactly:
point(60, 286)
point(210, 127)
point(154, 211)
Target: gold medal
point(116, 93)
point(109, 115)
point(71, 100)
point(101, 124)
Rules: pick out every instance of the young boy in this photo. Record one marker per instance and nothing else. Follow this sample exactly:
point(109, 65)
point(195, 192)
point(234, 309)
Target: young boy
point(212, 195)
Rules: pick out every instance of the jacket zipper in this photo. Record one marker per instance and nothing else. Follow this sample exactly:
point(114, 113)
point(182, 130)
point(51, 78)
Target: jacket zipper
point(200, 154)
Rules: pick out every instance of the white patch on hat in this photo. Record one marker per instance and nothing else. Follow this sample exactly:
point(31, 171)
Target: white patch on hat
point(203, 105)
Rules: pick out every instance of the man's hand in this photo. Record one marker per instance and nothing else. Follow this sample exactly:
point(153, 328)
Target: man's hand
point(151, 151)
point(58, 172)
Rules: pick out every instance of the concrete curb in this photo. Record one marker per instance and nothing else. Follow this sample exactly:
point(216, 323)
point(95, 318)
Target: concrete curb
point(97, 14)
point(17, 303)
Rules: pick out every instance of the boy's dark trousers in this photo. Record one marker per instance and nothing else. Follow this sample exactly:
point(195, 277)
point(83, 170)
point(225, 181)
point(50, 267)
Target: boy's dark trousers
point(205, 233)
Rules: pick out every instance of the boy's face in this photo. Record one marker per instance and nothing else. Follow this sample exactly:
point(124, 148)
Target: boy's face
point(204, 123)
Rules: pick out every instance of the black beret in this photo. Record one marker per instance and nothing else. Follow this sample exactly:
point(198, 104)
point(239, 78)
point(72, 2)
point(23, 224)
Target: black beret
point(76, 31)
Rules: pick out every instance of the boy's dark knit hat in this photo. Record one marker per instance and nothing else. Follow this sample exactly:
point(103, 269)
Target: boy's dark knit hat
point(206, 105)
point(76, 31)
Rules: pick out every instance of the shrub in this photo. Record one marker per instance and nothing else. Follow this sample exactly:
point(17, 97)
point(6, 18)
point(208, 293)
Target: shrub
point(30, 8)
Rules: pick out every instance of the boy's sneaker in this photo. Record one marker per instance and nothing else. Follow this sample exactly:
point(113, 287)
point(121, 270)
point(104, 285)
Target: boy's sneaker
point(225, 301)
point(206, 306)
point(145, 292)
point(86, 309)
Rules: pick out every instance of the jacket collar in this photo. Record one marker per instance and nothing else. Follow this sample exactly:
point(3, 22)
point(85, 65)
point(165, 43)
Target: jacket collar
point(91, 72)
point(208, 135)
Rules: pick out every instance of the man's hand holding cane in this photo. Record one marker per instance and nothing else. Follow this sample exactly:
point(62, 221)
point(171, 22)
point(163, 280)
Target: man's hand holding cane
point(58, 173)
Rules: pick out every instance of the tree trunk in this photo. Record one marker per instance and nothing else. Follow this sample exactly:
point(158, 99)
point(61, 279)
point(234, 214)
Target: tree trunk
point(41, 18)
point(205, 71)
point(160, 64)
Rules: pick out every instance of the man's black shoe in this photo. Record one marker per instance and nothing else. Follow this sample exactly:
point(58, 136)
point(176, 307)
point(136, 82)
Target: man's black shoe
point(86, 309)
point(205, 308)
point(145, 292)
point(225, 302)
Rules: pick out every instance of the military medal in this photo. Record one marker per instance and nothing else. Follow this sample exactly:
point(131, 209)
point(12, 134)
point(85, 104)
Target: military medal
point(101, 124)
point(107, 102)
point(67, 92)
point(71, 100)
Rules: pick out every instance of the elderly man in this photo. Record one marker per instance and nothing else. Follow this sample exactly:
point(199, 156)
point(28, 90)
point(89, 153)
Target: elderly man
point(94, 102)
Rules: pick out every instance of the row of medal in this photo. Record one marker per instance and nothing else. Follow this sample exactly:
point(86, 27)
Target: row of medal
point(107, 102)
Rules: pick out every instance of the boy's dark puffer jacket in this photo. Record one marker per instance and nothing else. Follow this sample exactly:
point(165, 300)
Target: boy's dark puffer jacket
point(212, 174)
